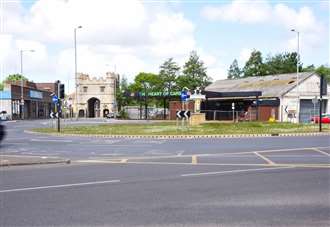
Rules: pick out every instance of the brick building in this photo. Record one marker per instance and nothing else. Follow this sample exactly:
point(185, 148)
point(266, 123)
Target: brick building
point(36, 96)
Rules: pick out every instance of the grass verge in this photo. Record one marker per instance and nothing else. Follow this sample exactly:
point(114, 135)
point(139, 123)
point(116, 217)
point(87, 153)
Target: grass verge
point(167, 128)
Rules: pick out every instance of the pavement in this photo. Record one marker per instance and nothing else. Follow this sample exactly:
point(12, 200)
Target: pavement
point(271, 181)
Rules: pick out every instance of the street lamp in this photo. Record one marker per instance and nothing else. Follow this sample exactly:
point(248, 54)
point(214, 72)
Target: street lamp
point(297, 82)
point(75, 67)
point(22, 82)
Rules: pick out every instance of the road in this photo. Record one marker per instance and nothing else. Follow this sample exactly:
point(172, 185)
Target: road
point(273, 181)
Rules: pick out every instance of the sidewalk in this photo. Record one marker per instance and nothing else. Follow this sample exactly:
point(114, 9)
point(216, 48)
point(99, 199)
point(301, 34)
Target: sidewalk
point(13, 160)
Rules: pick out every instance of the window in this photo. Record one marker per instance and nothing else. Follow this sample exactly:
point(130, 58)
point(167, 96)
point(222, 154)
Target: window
point(102, 88)
point(85, 89)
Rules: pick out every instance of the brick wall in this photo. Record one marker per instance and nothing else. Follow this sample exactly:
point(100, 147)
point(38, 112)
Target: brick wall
point(177, 105)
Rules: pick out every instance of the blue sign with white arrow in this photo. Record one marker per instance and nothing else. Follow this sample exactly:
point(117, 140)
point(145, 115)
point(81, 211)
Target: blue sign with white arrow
point(184, 96)
point(55, 99)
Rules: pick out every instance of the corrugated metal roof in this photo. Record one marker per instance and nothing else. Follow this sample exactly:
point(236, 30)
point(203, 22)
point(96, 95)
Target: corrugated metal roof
point(270, 86)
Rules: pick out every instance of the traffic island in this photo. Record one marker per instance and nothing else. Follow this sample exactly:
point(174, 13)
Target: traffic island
point(169, 130)
point(16, 160)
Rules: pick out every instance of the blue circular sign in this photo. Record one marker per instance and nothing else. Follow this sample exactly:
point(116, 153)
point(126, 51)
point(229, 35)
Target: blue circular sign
point(184, 96)
point(55, 99)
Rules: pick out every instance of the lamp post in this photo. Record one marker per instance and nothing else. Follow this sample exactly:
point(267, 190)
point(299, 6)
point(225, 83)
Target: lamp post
point(22, 82)
point(297, 82)
point(75, 68)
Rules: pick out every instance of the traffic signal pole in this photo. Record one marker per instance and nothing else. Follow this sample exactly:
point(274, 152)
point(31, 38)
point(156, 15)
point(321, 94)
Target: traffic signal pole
point(59, 107)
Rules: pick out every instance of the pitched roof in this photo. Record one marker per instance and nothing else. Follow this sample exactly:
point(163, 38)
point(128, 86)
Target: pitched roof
point(270, 86)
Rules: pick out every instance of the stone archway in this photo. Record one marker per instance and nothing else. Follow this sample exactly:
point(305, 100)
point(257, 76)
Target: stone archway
point(81, 113)
point(93, 107)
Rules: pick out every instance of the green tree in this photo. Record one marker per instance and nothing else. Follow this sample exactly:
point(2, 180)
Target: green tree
point(121, 97)
point(282, 63)
point(325, 71)
point(12, 77)
point(15, 77)
point(168, 74)
point(234, 71)
point(309, 68)
point(254, 66)
point(153, 80)
point(194, 73)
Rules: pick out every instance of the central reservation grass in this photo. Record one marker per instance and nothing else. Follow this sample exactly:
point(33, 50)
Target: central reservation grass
point(169, 128)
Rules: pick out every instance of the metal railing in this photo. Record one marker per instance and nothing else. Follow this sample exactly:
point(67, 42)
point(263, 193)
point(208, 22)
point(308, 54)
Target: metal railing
point(219, 115)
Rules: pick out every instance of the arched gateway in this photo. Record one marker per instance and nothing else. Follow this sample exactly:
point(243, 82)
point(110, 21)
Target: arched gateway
point(93, 107)
point(96, 96)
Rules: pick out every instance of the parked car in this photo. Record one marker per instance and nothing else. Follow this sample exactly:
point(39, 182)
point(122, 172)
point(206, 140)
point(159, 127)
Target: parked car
point(325, 119)
point(4, 116)
point(111, 115)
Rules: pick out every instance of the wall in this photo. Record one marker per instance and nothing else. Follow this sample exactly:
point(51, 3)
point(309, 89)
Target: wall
point(308, 89)
point(177, 105)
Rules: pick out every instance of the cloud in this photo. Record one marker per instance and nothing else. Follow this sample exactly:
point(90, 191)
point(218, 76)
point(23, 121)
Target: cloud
point(171, 35)
point(129, 34)
point(239, 11)
point(313, 31)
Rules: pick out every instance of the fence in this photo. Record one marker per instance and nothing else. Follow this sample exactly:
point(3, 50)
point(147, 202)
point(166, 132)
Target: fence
point(137, 113)
point(218, 115)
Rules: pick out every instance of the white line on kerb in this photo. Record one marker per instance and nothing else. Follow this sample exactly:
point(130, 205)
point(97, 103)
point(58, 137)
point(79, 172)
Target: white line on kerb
point(233, 171)
point(60, 186)
point(47, 140)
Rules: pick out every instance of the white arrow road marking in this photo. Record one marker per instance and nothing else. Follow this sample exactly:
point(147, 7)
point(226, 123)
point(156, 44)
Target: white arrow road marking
point(60, 186)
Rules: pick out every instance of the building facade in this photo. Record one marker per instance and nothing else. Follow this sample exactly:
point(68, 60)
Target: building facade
point(36, 98)
point(96, 96)
point(273, 96)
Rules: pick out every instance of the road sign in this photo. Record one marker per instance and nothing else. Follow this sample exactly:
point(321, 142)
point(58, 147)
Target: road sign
point(183, 114)
point(184, 96)
point(55, 99)
point(53, 115)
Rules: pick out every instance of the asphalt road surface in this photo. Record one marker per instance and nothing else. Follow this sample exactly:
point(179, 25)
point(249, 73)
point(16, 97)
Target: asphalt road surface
point(273, 181)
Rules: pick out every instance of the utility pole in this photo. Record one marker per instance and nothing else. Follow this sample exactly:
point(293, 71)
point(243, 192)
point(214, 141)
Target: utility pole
point(22, 82)
point(297, 82)
point(322, 91)
point(59, 109)
point(75, 69)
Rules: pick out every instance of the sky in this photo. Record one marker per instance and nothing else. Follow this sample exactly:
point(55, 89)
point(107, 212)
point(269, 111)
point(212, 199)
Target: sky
point(129, 36)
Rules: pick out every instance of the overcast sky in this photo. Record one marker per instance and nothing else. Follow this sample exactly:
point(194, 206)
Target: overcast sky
point(134, 36)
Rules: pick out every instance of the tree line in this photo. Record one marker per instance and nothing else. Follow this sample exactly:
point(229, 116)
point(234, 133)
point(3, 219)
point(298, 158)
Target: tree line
point(277, 64)
point(171, 77)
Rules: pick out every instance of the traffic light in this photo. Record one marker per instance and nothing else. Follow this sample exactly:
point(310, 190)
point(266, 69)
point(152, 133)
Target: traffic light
point(62, 91)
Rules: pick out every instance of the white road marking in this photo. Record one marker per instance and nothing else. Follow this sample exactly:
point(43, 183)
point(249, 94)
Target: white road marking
point(322, 152)
point(218, 154)
point(60, 186)
point(48, 140)
point(270, 162)
point(232, 171)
